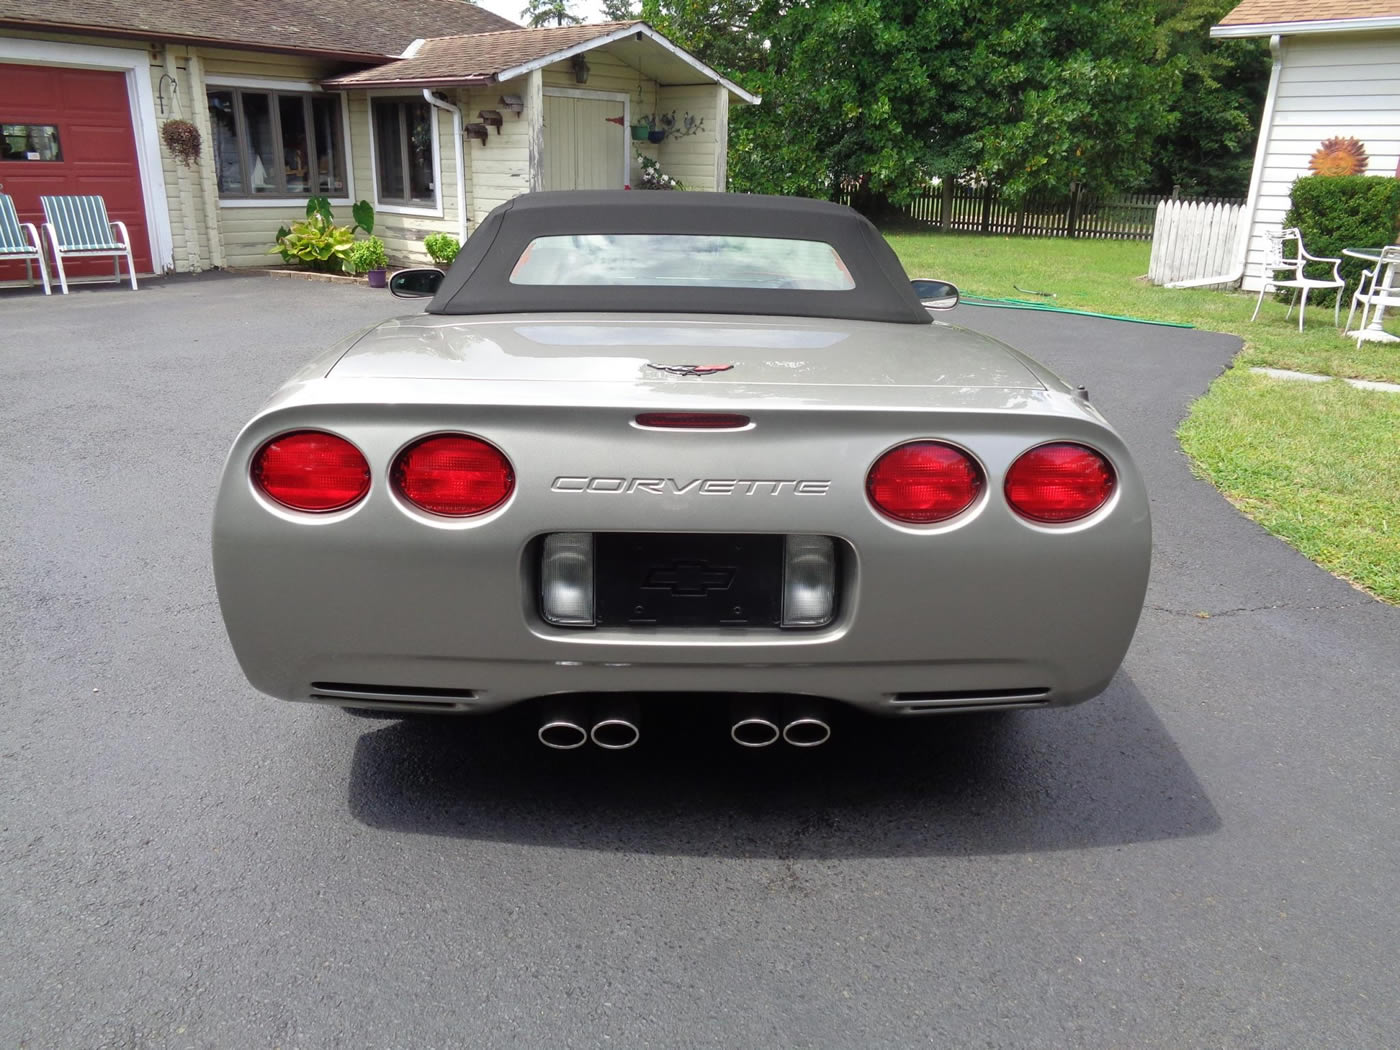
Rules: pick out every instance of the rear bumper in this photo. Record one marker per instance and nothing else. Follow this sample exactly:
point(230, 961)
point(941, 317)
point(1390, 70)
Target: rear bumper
point(986, 612)
point(879, 689)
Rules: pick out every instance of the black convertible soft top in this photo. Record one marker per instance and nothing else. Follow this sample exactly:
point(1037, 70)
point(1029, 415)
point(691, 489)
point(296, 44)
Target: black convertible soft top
point(479, 280)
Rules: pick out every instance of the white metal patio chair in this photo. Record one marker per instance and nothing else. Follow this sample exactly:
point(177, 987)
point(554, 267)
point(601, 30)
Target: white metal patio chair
point(1380, 295)
point(20, 240)
point(78, 227)
point(1277, 261)
point(1364, 287)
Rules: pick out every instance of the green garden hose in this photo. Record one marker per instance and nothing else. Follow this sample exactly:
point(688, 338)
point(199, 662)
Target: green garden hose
point(1026, 304)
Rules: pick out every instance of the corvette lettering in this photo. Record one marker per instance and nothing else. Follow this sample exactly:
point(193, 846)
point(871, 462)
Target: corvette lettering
point(694, 486)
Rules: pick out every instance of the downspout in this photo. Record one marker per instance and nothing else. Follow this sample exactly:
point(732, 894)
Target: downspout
point(1256, 179)
point(456, 112)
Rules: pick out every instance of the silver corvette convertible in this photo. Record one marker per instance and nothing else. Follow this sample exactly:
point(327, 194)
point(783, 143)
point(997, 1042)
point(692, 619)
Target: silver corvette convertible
point(646, 445)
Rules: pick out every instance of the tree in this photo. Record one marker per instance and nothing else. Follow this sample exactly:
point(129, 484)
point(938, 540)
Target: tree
point(1209, 148)
point(880, 95)
point(539, 13)
point(620, 10)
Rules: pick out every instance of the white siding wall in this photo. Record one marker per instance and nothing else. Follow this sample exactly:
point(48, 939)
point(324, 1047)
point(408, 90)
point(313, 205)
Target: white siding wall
point(692, 158)
point(500, 168)
point(1345, 85)
point(248, 232)
point(403, 233)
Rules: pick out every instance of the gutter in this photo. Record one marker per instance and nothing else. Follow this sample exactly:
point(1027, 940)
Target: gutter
point(1256, 178)
point(457, 135)
point(1316, 25)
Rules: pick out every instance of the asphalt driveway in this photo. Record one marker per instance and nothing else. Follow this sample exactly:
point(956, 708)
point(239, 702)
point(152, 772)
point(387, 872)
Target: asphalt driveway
point(1204, 856)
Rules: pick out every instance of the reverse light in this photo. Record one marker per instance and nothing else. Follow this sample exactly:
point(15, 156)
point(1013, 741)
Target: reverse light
point(454, 475)
point(311, 470)
point(566, 579)
point(1059, 483)
point(809, 581)
point(923, 482)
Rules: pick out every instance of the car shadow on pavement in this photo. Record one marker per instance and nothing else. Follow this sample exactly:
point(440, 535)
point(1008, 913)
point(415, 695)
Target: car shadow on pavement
point(1101, 774)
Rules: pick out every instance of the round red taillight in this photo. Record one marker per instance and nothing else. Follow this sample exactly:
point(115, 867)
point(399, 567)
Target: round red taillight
point(311, 470)
point(923, 482)
point(453, 474)
point(1059, 483)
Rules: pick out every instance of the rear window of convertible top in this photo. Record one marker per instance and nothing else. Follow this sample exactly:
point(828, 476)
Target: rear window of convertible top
point(681, 260)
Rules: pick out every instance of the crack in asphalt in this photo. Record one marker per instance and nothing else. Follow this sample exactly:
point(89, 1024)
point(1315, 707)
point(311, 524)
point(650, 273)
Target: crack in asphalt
point(1207, 614)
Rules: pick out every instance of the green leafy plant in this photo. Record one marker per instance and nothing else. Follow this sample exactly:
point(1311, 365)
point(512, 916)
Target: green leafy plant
point(318, 243)
point(442, 247)
point(363, 214)
point(287, 257)
point(366, 255)
point(1344, 211)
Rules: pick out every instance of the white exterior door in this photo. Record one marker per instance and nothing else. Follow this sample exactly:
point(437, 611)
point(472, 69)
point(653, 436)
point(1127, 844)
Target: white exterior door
point(584, 149)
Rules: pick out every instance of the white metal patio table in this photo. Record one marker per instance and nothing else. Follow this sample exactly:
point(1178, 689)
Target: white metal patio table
point(1374, 332)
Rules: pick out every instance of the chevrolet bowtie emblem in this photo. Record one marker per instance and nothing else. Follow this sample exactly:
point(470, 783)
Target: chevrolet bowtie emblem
point(691, 370)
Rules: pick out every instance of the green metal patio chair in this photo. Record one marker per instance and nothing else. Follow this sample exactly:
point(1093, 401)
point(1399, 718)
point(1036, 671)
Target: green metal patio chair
point(20, 240)
point(78, 227)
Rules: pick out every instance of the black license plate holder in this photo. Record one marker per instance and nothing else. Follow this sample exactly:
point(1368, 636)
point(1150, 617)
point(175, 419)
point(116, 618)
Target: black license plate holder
point(687, 579)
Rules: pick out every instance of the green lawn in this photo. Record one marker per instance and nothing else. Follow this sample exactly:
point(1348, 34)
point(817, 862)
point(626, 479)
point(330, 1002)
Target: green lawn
point(1317, 464)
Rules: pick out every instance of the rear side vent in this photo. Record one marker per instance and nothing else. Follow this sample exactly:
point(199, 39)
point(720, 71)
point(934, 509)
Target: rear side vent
point(393, 697)
point(982, 699)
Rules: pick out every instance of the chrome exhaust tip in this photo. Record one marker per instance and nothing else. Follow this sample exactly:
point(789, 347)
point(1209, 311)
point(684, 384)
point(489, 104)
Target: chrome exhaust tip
point(807, 732)
point(616, 734)
point(563, 735)
point(755, 732)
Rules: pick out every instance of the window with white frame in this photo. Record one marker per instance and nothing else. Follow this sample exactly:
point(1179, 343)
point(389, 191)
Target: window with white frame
point(277, 143)
point(403, 152)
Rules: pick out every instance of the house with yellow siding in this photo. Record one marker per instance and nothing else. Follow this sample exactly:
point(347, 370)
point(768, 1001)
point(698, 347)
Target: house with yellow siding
point(435, 111)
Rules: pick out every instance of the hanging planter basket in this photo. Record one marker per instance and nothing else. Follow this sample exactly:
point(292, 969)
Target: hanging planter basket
point(640, 132)
point(182, 139)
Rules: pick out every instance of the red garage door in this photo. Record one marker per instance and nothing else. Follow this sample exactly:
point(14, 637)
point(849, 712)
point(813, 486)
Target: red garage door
point(69, 131)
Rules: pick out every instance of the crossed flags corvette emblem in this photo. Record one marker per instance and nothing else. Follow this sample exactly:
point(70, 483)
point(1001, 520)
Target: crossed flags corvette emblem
point(691, 370)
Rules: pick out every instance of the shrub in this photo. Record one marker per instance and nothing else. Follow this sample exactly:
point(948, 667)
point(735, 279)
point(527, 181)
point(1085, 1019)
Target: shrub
point(442, 247)
point(366, 255)
point(317, 242)
point(1347, 211)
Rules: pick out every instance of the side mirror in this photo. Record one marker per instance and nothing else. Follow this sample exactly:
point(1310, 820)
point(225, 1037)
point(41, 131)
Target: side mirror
point(935, 295)
point(416, 284)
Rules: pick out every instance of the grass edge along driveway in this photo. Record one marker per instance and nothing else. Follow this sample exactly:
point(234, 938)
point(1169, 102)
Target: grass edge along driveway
point(1316, 464)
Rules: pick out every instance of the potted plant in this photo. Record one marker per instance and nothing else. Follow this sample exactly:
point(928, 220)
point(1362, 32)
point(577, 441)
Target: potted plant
point(368, 257)
point(641, 130)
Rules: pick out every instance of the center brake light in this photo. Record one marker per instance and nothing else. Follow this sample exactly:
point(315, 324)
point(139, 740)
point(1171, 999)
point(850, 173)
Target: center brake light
point(693, 420)
point(924, 482)
point(454, 475)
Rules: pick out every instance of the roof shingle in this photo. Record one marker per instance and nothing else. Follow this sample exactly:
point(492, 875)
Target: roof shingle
point(478, 56)
point(1277, 12)
point(333, 27)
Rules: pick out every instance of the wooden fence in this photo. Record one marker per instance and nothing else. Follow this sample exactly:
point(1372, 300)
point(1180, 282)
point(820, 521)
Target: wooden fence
point(967, 208)
point(1193, 240)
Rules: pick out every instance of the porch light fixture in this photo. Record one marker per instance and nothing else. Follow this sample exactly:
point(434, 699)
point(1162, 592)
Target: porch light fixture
point(580, 69)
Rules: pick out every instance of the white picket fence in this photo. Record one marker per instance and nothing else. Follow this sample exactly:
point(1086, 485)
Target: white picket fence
point(1192, 239)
